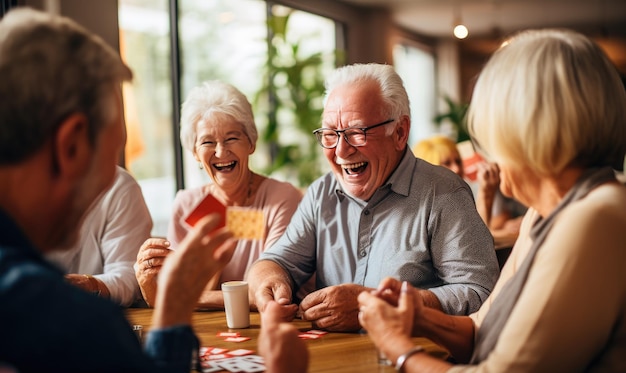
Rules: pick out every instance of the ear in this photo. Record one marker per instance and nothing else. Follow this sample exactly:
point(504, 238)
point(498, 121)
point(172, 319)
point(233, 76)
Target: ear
point(72, 149)
point(252, 147)
point(401, 132)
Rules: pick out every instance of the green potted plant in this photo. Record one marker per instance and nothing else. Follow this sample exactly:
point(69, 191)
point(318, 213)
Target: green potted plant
point(294, 89)
point(455, 115)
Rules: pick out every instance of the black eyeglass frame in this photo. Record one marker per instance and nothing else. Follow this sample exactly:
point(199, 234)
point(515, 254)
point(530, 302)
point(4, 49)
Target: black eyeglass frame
point(318, 133)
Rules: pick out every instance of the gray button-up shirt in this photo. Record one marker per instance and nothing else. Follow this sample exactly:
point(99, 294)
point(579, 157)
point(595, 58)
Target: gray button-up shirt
point(421, 226)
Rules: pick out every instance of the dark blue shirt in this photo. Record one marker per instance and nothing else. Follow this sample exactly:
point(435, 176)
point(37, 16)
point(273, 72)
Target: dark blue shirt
point(48, 325)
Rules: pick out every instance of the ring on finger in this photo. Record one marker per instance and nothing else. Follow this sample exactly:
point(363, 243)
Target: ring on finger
point(149, 263)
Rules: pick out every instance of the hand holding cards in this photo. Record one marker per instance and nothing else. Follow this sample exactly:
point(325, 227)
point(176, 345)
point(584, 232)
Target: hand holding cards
point(245, 223)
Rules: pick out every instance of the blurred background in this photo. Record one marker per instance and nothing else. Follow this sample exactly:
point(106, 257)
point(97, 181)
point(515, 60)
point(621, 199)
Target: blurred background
point(278, 53)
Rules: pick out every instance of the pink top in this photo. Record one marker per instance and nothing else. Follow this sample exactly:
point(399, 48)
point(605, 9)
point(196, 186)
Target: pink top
point(278, 200)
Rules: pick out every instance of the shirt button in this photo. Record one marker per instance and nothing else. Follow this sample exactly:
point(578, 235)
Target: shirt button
point(362, 253)
point(366, 212)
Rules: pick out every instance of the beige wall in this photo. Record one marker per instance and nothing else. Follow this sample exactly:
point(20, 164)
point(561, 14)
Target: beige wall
point(368, 31)
point(99, 16)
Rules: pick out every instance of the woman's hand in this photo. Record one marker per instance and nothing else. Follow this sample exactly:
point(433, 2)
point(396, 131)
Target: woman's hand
point(150, 259)
point(388, 326)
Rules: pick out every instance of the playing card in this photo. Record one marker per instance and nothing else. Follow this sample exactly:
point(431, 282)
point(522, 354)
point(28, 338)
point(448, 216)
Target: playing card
point(228, 334)
point(246, 223)
point(240, 352)
point(241, 364)
point(217, 350)
point(236, 339)
point(318, 332)
point(207, 206)
point(210, 367)
point(309, 336)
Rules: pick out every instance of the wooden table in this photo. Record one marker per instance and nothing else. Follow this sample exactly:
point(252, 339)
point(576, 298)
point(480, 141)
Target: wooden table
point(334, 352)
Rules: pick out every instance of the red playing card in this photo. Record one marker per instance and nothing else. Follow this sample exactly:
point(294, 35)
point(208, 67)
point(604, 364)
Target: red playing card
point(228, 334)
point(207, 206)
point(309, 336)
point(237, 339)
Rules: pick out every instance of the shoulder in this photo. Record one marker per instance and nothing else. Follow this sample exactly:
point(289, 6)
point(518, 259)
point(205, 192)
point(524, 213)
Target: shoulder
point(124, 193)
point(124, 177)
point(323, 187)
point(594, 224)
point(190, 195)
point(427, 178)
point(605, 203)
point(280, 189)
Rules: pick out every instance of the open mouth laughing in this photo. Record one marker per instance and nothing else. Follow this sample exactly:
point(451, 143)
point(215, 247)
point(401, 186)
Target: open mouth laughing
point(354, 168)
point(227, 166)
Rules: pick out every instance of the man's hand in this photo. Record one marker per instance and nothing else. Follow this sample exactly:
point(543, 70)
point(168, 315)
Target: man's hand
point(334, 308)
point(279, 344)
point(269, 283)
point(150, 259)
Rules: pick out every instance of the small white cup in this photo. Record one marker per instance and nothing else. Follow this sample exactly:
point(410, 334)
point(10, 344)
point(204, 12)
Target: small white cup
point(236, 304)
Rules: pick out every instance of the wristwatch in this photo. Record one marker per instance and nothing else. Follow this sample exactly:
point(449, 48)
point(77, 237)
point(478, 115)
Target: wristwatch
point(405, 356)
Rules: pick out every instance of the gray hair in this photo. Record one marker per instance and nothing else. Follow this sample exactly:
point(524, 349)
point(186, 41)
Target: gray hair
point(212, 98)
point(394, 95)
point(549, 99)
point(51, 68)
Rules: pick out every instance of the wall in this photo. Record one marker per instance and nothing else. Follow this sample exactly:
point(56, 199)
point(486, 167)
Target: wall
point(368, 31)
point(98, 16)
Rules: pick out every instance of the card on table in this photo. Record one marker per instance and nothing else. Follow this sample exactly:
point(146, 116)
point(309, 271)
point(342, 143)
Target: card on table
point(240, 360)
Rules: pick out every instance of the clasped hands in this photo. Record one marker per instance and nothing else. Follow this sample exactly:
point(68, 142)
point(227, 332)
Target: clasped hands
point(347, 307)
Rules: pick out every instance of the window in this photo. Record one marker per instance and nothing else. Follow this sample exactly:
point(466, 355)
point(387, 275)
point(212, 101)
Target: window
point(416, 67)
point(217, 39)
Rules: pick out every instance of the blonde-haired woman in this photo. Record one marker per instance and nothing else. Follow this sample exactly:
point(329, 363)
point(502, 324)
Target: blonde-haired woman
point(549, 108)
point(440, 150)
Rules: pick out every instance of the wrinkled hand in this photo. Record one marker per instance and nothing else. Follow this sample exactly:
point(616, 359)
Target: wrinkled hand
point(269, 283)
point(387, 325)
point(279, 344)
point(390, 290)
point(333, 308)
point(150, 259)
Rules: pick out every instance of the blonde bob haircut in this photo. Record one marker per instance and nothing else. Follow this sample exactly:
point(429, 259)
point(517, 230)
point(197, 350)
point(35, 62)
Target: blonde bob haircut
point(549, 99)
point(436, 148)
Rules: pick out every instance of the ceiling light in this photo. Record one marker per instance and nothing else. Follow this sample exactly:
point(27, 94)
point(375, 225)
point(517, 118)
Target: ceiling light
point(460, 31)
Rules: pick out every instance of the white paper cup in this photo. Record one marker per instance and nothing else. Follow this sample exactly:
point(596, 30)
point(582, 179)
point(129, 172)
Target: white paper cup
point(236, 304)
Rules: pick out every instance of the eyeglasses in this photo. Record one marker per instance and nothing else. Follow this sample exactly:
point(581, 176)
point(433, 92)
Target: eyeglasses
point(329, 138)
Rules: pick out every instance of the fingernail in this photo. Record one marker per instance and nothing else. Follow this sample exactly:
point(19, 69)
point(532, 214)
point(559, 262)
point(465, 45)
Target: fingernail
point(405, 287)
